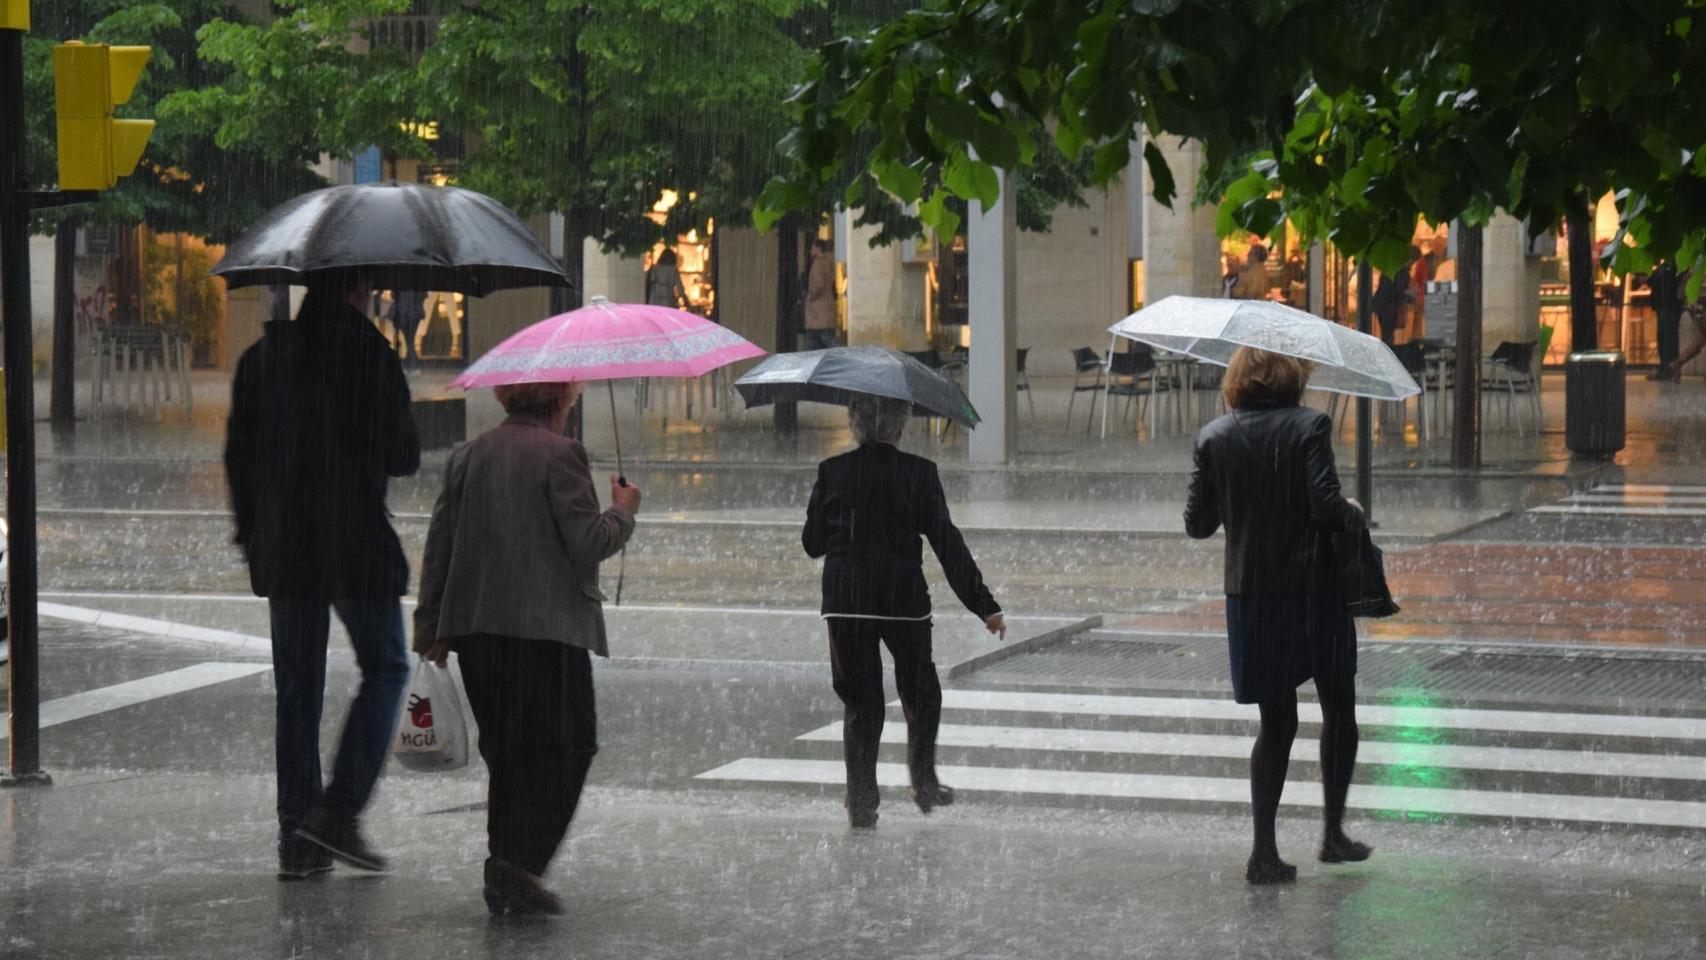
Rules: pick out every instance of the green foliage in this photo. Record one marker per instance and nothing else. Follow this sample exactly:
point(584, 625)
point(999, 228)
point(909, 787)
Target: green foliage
point(595, 108)
point(186, 180)
point(1349, 116)
point(198, 312)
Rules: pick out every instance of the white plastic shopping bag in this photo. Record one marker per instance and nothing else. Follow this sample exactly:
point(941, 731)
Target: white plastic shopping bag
point(431, 733)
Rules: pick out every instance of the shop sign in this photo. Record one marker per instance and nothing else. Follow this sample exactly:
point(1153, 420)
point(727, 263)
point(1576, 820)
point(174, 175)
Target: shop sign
point(368, 168)
point(100, 241)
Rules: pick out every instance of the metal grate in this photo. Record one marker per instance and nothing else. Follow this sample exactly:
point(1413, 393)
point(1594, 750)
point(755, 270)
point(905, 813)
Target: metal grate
point(1602, 675)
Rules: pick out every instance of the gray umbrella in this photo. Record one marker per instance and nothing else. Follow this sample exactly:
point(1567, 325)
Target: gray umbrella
point(401, 236)
point(837, 376)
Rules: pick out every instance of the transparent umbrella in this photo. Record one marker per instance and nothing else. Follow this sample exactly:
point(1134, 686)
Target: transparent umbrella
point(1213, 329)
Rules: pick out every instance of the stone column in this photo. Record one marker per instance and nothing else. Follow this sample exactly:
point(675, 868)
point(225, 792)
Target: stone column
point(1511, 293)
point(1180, 248)
point(881, 308)
point(994, 325)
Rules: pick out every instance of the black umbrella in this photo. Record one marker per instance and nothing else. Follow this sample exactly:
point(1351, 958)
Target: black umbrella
point(839, 375)
point(400, 236)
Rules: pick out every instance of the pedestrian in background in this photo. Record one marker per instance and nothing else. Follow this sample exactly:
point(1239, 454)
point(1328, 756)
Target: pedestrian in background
point(408, 309)
point(1252, 283)
point(319, 420)
point(1265, 471)
point(1390, 296)
point(818, 326)
point(663, 283)
point(510, 583)
point(868, 511)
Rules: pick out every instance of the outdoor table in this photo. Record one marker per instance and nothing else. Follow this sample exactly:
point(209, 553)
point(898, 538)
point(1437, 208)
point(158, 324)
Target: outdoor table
point(1441, 357)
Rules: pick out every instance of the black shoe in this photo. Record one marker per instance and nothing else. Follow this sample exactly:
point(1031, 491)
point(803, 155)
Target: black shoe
point(298, 860)
point(1342, 849)
point(1264, 870)
point(341, 837)
point(511, 891)
point(933, 796)
point(862, 817)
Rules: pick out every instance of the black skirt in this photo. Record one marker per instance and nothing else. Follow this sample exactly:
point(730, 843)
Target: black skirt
point(1278, 640)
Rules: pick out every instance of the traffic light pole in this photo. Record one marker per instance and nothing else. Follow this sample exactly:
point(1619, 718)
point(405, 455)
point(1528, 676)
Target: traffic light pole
point(24, 745)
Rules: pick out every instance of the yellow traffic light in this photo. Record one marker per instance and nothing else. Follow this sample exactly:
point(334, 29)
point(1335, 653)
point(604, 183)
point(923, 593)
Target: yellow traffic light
point(89, 80)
point(15, 15)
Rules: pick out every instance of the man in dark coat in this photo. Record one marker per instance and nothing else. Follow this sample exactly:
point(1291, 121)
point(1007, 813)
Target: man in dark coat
point(319, 420)
point(870, 510)
point(1669, 295)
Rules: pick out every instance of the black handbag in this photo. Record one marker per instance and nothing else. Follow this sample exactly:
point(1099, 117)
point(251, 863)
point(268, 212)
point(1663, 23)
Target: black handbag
point(1360, 569)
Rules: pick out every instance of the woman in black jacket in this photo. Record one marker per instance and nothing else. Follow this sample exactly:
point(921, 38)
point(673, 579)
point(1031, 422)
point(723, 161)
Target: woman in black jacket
point(867, 512)
point(1265, 471)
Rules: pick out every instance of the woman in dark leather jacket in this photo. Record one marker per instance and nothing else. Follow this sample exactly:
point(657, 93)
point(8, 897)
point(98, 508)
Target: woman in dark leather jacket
point(1265, 472)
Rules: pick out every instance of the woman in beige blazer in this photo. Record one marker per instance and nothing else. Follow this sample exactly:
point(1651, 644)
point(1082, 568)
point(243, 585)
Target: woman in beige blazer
point(510, 583)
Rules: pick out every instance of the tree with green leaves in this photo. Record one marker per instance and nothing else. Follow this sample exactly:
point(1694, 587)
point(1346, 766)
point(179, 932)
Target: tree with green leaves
point(186, 181)
point(1361, 115)
point(593, 109)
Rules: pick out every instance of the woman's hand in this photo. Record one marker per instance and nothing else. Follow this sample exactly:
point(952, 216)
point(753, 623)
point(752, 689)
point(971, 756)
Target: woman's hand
point(997, 624)
point(624, 495)
point(438, 653)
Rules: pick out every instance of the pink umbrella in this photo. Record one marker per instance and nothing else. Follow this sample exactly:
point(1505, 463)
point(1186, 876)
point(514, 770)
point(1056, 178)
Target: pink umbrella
point(610, 341)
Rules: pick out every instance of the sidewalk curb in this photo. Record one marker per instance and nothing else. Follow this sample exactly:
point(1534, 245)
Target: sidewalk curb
point(1028, 645)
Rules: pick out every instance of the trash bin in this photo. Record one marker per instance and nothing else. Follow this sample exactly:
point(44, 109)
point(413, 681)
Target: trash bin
point(1593, 403)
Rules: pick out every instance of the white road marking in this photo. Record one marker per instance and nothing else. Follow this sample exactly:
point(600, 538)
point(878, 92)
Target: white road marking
point(159, 628)
point(1607, 511)
point(1634, 500)
point(105, 699)
point(1194, 708)
point(609, 608)
point(1413, 800)
point(1379, 752)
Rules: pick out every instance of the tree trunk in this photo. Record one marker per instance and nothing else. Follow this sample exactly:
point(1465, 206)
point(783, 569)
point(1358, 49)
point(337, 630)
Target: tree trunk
point(64, 396)
point(1584, 325)
point(789, 303)
point(128, 277)
point(1466, 408)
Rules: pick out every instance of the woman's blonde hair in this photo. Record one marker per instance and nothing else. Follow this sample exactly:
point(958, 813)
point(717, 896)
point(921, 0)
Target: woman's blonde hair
point(534, 399)
point(1259, 378)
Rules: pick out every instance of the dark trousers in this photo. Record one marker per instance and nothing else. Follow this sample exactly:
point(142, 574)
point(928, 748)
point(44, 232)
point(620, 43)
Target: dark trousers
point(1670, 335)
point(299, 632)
point(538, 724)
point(857, 667)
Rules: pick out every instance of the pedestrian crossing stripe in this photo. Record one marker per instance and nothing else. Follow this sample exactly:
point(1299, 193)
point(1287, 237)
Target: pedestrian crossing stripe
point(1594, 763)
point(1452, 718)
point(1388, 744)
point(1632, 500)
point(1419, 801)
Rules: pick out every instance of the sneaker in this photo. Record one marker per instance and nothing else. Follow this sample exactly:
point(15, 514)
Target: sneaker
point(341, 838)
point(298, 860)
point(5, 650)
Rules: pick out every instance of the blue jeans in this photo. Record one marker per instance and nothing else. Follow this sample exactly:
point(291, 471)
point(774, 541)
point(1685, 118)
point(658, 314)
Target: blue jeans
point(299, 634)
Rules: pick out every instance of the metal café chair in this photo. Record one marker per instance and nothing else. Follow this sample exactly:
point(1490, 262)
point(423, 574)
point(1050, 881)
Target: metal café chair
point(1085, 360)
point(1413, 356)
point(1511, 370)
